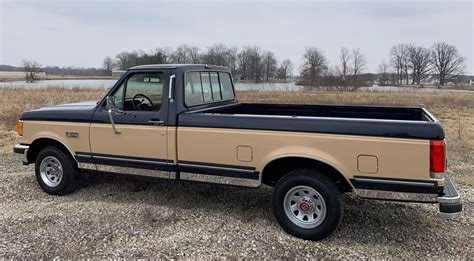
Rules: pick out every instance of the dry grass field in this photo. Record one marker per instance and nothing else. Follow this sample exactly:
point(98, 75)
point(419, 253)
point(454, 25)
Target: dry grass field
point(113, 216)
point(454, 110)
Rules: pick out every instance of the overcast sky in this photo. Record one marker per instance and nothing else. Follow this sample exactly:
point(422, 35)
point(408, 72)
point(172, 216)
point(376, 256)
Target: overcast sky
point(82, 33)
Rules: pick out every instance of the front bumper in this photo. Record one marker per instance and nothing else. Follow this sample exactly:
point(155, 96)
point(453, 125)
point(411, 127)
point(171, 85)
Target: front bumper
point(22, 149)
point(450, 205)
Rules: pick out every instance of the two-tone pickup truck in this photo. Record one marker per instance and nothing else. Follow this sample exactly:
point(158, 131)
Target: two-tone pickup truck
point(183, 122)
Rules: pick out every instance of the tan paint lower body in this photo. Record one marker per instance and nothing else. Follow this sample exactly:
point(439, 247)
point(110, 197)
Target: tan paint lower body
point(396, 158)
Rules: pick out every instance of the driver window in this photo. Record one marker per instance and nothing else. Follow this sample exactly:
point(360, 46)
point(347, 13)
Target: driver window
point(143, 92)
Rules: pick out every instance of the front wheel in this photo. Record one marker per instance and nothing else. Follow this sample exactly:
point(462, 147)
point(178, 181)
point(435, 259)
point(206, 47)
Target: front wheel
point(307, 204)
point(56, 171)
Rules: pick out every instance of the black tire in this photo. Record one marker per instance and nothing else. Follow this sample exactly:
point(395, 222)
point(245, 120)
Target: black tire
point(327, 190)
point(70, 172)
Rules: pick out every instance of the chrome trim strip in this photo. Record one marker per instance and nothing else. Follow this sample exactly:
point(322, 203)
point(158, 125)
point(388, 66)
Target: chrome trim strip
point(173, 175)
point(134, 171)
point(392, 195)
point(449, 200)
point(130, 160)
point(398, 182)
point(215, 167)
point(89, 166)
point(217, 107)
point(312, 117)
point(453, 216)
point(84, 155)
point(252, 183)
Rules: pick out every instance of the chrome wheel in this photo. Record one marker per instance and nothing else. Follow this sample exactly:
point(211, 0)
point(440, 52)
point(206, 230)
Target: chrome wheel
point(51, 171)
point(304, 207)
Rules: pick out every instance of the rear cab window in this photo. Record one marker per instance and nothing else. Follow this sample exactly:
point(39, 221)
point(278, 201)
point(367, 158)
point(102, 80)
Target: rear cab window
point(207, 87)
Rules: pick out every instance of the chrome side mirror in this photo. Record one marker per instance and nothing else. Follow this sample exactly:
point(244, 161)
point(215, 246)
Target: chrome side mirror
point(111, 103)
point(112, 107)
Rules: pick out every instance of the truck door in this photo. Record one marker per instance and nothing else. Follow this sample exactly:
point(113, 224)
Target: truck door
point(134, 141)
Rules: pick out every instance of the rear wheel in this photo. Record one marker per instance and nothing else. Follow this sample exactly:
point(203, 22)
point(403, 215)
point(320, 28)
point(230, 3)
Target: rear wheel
point(56, 171)
point(307, 204)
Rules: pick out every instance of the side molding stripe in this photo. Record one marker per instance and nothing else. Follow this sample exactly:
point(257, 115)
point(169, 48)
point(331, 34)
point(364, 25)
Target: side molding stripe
point(192, 168)
point(121, 161)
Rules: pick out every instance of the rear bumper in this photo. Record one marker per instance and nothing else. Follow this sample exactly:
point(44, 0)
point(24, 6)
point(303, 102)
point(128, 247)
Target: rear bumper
point(450, 205)
point(447, 197)
point(22, 149)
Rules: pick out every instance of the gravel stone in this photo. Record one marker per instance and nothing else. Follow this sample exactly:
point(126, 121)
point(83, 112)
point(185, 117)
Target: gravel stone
point(114, 216)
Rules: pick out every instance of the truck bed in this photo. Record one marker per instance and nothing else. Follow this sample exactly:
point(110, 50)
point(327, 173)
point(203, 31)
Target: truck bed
point(334, 111)
point(396, 122)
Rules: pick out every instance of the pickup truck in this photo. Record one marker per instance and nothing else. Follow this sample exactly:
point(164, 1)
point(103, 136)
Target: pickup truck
point(183, 122)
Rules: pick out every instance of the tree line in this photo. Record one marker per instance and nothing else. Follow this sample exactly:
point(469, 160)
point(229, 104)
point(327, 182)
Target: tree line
point(250, 63)
point(406, 64)
point(412, 63)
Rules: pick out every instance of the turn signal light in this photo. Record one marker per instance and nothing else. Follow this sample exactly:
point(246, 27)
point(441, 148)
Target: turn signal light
point(437, 158)
point(19, 127)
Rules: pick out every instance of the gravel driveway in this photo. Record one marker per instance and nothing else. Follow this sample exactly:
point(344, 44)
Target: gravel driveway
point(121, 216)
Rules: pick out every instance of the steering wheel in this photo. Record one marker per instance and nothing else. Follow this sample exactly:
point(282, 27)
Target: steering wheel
point(141, 105)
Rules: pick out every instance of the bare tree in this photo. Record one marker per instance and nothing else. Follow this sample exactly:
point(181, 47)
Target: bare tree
point(31, 68)
point(269, 65)
point(406, 63)
point(359, 63)
point(185, 54)
point(314, 65)
point(232, 59)
point(216, 55)
point(160, 56)
point(285, 70)
point(383, 72)
point(446, 61)
point(194, 55)
point(123, 60)
point(399, 58)
point(250, 63)
point(108, 64)
point(344, 58)
point(419, 62)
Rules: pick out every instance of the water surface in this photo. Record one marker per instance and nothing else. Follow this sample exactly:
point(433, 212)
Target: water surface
point(240, 86)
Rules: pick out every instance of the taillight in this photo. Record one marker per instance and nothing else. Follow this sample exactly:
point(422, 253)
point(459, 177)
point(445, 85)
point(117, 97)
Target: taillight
point(437, 158)
point(19, 127)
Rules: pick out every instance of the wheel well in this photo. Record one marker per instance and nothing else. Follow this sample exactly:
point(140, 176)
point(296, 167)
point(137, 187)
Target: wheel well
point(276, 169)
point(42, 143)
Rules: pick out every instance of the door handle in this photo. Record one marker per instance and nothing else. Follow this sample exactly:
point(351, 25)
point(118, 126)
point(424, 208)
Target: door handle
point(156, 122)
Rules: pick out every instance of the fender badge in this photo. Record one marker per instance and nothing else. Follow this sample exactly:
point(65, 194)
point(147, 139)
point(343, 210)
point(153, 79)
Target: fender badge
point(72, 134)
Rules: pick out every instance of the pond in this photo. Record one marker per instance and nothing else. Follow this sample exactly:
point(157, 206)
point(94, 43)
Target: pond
point(240, 86)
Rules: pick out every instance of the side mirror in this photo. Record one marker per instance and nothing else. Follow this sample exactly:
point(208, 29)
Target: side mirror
point(111, 103)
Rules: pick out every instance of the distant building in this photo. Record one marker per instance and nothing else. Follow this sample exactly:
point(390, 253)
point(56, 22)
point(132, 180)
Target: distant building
point(467, 79)
point(117, 73)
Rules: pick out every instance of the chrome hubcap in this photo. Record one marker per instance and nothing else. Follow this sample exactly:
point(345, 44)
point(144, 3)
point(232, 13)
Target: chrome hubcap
point(305, 207)
point(51, 171)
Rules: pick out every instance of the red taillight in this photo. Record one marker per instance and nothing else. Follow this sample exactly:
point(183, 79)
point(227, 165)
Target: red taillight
point(437, 157)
